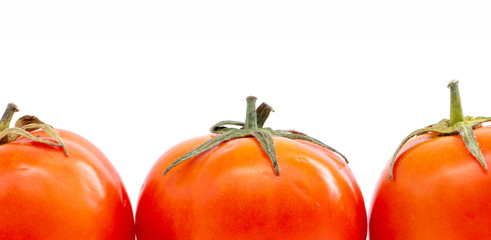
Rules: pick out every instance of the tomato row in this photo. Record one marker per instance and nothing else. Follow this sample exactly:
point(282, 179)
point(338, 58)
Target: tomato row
point(244, 181)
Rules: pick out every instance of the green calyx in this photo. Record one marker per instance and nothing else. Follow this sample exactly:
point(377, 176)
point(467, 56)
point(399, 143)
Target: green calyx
point(252, 127)
point(24, 126)
point(457, 124)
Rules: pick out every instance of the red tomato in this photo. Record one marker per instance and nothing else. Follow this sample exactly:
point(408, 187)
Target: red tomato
point(439, 191)
point(440, 182)
point(232, 192)
point(46, 195)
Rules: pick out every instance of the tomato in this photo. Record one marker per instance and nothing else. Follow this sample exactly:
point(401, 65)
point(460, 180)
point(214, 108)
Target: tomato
point(45, 194)
point(232, 191)
point(440, 186)
point(439, 192)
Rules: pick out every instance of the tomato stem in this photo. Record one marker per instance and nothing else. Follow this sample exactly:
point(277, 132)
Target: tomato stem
point(24, 126)
point(252, 127)
point(458, 124)
point(456, 113)
point(262, 113)
point(7, 116)
point(251, 115)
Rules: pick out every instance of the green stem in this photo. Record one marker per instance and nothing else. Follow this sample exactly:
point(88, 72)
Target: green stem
point(253, 127)
point(7, 116)
point(251, 115)
point(456, 114)
point(456, 125)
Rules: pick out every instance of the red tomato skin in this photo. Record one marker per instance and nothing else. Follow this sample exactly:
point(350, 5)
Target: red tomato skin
point(46, 195)
point(440, 191)
point(231, 192)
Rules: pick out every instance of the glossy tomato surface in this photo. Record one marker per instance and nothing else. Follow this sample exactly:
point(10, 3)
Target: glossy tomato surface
point(440, 191)
point(232, 192)
point(47, 195)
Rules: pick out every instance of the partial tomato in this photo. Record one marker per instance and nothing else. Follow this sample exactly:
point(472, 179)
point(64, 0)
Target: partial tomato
point(439, 186)
point(235, 184)
point(54, 184)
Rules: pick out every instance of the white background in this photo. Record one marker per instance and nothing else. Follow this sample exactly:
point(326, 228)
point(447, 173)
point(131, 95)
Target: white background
point(137, 77)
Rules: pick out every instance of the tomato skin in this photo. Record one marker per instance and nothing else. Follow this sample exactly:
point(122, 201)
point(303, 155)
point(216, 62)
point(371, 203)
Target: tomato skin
point(232, 192)
point(47, 195)
point(440, 191)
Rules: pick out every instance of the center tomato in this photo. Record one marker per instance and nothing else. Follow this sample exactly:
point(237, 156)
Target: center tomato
point(231, 191)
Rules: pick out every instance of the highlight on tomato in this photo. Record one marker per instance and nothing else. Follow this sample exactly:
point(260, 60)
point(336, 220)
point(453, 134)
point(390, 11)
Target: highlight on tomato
point(436, 185)
point(250, 182)
point(54, 185)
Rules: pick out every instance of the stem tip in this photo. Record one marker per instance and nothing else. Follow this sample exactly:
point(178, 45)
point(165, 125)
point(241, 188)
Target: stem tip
point(12, 107)
point(454, 83)
point(251, 98)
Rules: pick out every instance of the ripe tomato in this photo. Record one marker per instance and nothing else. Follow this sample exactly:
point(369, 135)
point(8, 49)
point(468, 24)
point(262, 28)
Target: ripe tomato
point(440, 183)
point(231, 191)
point(439, 192)
point(46, 195)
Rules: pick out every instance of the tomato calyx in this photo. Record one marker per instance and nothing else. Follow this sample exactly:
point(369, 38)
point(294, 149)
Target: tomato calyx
point(252, 127)
point(457, 124)
point(24, 126)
